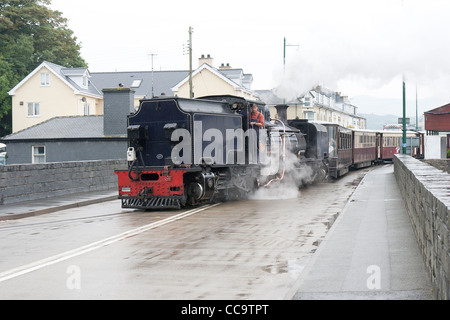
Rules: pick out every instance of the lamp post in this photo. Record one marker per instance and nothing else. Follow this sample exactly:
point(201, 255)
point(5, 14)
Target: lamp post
point(404, 117)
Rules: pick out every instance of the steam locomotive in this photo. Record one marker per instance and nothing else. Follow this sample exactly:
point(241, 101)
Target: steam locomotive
point(185, 152)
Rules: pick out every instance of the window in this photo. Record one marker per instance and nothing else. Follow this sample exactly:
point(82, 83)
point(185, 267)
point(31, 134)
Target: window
point(307, 101)
point(308, 115)
point(85, 81)
point(332, 141)
point(34, 109)
point(38, 154)
point(86, 109)
point(45, 79)
point(136, 83)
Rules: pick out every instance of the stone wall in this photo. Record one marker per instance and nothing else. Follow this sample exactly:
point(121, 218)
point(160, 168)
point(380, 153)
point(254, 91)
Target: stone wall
point(442, 164)
point(426, 192)
point(38, 181)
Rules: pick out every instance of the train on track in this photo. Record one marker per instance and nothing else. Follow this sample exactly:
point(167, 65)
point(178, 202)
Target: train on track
point(185, 152)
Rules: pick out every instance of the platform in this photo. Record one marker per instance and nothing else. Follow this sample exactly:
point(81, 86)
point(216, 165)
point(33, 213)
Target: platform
point(370, 252)
point(31, 208)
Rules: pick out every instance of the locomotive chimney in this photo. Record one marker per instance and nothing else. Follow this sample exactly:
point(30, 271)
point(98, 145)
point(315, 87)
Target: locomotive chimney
point(282, 112)
point(118, 103)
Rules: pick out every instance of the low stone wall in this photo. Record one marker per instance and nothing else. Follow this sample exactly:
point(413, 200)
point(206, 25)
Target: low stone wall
point(38, 181)
point(442, 164)
point(426, 192)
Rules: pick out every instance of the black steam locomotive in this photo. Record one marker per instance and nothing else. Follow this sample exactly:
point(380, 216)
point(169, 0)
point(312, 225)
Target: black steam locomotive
point(191, 151)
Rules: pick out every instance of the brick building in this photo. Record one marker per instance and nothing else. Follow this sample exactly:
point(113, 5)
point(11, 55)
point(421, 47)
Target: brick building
point(437, 126)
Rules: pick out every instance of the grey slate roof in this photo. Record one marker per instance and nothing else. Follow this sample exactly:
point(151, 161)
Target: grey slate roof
point(67, 72)
point(162, 81)
point(62, 128)
point(269, 97)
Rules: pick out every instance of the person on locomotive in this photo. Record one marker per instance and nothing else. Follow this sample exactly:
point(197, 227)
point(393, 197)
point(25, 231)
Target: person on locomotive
point(256, 117)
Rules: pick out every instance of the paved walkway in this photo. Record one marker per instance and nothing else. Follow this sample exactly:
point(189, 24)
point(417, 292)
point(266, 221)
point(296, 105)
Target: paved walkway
point(371, 250)
point(36, 207)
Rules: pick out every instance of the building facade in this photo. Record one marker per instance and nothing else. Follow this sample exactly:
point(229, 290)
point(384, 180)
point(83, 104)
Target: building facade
point(317, 104)
point(53, 91)
point(209, 81)
point(76, 138)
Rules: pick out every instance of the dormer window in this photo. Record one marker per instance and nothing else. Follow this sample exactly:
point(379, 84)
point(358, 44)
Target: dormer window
point(45, 79)
point(85, 81)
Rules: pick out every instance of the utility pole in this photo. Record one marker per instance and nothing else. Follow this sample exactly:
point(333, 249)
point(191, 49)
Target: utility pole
point(191, 93)
point(404, 117)
point(152, 55)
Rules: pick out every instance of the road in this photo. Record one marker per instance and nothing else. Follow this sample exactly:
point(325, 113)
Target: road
point(253, 249)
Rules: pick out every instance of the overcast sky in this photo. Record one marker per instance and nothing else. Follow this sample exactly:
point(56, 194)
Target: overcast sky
point(357, 47)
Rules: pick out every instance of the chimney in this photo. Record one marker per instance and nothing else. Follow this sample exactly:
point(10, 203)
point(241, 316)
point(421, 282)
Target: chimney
point(208, 60)
point(118, 103)
point(223, 66)
point(282, 112)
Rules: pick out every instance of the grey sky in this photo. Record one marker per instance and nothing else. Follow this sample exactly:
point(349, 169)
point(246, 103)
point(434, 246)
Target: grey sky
point(358, 47)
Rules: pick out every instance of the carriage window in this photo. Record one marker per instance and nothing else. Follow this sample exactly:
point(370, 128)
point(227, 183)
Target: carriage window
point(332, 142)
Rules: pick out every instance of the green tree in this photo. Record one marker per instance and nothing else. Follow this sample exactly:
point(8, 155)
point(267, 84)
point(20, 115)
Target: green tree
point(30, 33)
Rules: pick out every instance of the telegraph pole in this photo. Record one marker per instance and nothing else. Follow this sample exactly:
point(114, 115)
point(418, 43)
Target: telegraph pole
point(191, 94)
point(152, 55)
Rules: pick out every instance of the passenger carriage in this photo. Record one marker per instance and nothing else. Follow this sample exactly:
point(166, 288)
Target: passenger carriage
point(364, 148)
point(391, 142)
point(340, 149)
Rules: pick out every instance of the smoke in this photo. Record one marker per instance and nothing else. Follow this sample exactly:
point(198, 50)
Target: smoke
point(370, 44)
point(292, 178)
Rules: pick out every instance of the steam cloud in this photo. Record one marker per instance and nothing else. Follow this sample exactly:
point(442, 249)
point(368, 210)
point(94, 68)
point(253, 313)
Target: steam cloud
point(371, 43)
point(288, 187)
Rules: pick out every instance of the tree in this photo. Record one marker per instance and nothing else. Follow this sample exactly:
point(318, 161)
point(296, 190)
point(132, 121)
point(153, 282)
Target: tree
point(30, 33)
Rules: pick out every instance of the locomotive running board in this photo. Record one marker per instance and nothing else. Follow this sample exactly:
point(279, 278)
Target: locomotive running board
point(151, 203)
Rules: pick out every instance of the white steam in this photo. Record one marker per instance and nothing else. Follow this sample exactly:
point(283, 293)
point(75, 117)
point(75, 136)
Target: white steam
point(288, 186)
point(371, 43)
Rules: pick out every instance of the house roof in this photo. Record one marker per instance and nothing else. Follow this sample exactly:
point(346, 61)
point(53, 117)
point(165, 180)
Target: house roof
point(440, 110)
point(64, 74)
point(224, 74)
point(143, 82)
point(162, 81)
point(269, 97)
point(62, 128)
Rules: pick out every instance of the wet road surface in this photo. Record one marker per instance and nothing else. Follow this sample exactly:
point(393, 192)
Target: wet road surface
point(252, 249)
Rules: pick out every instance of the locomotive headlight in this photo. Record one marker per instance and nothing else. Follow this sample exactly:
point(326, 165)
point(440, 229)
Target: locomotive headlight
point(126, 189)
point(131, 154)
